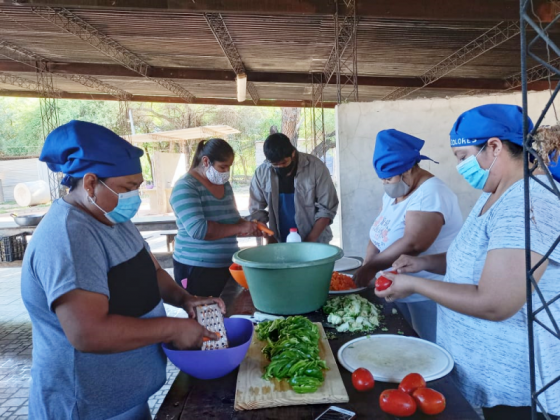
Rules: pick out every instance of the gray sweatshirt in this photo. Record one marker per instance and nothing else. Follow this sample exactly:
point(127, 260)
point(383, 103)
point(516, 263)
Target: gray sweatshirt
point(314, 197)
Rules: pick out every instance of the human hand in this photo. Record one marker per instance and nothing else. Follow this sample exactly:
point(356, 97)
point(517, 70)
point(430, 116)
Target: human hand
point(263, 229)
point(192, 302)
point(247, 229)
point(409, 264)
point(189, 334)
point(402, 286)
point(364, 275)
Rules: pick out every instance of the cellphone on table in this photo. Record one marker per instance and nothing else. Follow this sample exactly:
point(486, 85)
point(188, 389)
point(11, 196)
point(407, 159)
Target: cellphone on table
point(336, 413)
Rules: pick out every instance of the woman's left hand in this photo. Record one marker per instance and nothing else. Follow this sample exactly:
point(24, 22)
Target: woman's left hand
point(192, 302)
point(402, 286)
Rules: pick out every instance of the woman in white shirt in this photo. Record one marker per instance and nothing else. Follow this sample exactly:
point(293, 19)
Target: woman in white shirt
point(420, 216)
point(482, 316)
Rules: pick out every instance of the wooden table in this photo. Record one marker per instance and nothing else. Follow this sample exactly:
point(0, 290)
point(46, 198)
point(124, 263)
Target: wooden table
point(144, 224)
point(191, 398)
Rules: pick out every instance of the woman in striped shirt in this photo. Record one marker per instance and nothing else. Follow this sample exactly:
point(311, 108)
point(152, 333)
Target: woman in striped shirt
point(208, 221)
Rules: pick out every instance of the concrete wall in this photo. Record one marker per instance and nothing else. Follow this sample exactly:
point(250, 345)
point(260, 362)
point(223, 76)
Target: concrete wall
point(429, 119)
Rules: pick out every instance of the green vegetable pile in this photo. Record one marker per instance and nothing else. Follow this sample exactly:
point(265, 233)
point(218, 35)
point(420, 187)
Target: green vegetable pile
point(293, 350)
point(352, 313)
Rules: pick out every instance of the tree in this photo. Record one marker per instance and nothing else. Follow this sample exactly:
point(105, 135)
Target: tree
point(291, 122)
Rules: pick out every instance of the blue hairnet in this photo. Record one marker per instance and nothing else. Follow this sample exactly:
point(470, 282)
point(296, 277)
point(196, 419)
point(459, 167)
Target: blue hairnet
point(80, 147)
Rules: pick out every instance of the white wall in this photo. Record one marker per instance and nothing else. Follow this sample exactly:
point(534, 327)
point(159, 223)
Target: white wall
point(429, 119)
point(168, 167)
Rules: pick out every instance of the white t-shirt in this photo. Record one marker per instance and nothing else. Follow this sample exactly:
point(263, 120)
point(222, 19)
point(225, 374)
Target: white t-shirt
point(491, 358)
point(432, 196)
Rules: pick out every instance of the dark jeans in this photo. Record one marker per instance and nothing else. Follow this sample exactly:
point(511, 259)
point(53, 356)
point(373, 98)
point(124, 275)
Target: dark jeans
point(202, 281)
point(505, 412)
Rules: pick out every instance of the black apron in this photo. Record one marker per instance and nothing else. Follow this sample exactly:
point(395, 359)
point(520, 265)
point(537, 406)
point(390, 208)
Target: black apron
point(133, 286)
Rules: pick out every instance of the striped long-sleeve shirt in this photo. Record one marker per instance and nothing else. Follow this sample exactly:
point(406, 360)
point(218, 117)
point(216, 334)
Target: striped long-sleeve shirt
point(194, 206)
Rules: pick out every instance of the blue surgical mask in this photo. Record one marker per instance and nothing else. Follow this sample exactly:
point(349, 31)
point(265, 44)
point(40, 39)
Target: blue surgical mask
point(473, 173)
point(126, 208)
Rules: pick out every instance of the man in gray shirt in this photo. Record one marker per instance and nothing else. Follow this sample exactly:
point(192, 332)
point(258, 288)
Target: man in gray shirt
point(293, 190)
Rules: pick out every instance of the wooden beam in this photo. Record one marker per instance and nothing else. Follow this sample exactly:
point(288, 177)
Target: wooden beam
point(257, 77)
point(169, 99)
point(430, 10)
point(535, 86)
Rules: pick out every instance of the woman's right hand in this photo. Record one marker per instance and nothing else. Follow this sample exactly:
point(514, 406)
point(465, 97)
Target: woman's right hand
point(247, 228)
point(409, 264)
point(364, 275)
point(189, 335)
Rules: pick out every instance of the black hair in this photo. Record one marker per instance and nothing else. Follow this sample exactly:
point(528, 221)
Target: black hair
point(514, 150)
point(277, 147)
point(217, 150)
point(75, 182)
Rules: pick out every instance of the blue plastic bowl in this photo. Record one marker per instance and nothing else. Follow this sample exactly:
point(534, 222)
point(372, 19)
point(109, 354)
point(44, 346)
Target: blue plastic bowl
point(212, 364)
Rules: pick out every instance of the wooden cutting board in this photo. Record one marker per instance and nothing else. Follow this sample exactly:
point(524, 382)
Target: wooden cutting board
point(254, 392)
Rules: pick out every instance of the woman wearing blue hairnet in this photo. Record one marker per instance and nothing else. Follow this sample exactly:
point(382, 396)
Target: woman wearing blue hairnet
point(482, 317)
point(420, 216)
point(94, 291)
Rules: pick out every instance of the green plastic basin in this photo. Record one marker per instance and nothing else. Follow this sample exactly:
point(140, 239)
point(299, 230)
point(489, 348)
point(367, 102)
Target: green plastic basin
point(289, 278)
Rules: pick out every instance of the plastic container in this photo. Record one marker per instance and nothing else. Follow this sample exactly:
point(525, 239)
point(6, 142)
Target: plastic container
point(289, 279)
point(293, 236)
point(32, 193)
point(238, 275)
point(212, 364)
point(12, 247)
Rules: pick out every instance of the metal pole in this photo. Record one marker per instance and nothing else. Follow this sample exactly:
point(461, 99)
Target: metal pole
point(132, 129)
point(526, 179)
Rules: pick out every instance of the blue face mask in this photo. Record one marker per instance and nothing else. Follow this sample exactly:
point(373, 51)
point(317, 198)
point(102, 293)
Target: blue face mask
point(126, 208)
point(473, 173)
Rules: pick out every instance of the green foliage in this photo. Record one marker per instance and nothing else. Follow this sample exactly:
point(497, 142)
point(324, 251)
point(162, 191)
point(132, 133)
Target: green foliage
point(21, 131)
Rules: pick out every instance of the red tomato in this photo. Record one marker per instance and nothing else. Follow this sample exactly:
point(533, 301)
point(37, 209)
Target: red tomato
point(412, 382)
point(397, 403)
point(382, 283)
point(429, 400)
point(362, 379)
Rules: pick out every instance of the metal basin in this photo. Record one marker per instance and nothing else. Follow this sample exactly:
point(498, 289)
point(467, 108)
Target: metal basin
point(28, 219)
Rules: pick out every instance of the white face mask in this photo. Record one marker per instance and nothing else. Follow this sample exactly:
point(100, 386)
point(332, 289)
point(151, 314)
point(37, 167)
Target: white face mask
point(216, 177)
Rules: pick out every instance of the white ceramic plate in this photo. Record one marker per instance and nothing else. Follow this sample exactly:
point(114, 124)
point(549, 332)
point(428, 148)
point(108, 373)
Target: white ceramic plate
point(390, 358)
point(346, 263)
point(345, 292)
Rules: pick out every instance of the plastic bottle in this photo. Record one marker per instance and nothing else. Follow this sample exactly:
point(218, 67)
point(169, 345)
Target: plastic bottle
point(293, 236)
